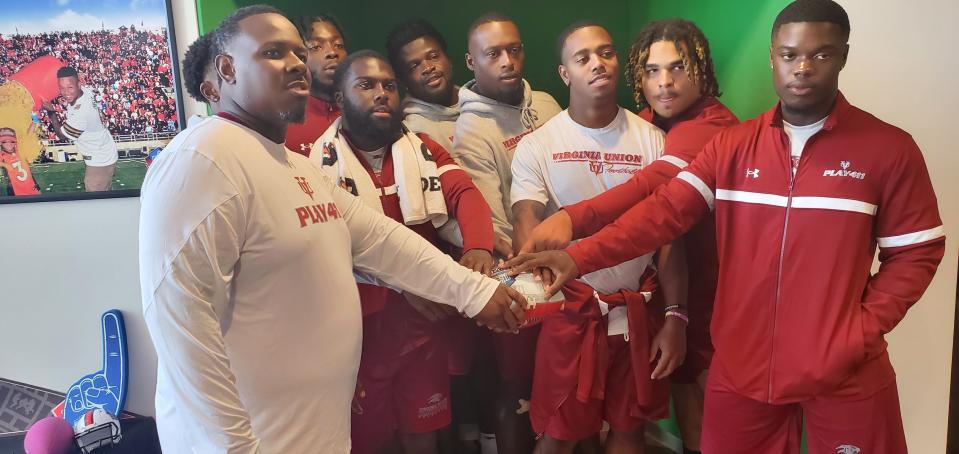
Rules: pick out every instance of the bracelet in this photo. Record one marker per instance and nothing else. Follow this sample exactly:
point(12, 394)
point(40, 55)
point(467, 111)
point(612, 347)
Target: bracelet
point(672, 307)
point(678, 315)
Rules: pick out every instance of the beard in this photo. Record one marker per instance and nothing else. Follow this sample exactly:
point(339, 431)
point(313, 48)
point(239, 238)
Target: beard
point(362, 124)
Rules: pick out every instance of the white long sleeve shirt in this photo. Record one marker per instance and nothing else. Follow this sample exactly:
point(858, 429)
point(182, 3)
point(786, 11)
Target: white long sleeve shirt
point(246, 259)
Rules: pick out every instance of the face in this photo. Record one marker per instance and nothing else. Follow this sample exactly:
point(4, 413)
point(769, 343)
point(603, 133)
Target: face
point(8, 144)
point(590, 64)
point(370, 101)
point(69, 88)
point(806, 58)
point(327, 50)
point(264, 71)
point(666, 86)
point(427, 71)
point(496, 58)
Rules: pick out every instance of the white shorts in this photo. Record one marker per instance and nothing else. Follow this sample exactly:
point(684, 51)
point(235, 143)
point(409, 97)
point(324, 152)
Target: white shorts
point(98, 148)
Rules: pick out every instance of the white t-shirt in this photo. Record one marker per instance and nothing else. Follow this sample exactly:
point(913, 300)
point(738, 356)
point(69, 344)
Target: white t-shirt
point(246, 259)
point(798, 136)
point(563, 163)
point(84, 127)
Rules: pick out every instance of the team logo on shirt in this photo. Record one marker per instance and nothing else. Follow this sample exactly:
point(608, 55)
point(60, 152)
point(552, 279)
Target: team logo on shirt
point(427, 155)
point(436, 404)
point(329, 154)
point(847, 449)
point(305, 186)
point(844, 172)
point(602, 162)
point(752, 173)
point(317, 214)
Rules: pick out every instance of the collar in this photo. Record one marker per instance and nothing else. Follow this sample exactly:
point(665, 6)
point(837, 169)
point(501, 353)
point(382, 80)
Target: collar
point(839, 108)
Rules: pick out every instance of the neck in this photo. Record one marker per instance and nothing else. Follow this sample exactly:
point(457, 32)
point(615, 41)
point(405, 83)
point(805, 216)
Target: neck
point(807, 116)
point(513, 100)
point(79, 94)
point(593, 113)
point(274, 132)
point(324, 93)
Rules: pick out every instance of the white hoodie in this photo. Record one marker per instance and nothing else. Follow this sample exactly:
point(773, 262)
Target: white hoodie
point(486, 134)
point(435, 120)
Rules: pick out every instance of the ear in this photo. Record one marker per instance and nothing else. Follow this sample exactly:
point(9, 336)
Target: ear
point(224, 68)
point(563, 74)
point(770, 57)
point(469, 62)
point(209, 91)
point(338, 98)
point(845, 56)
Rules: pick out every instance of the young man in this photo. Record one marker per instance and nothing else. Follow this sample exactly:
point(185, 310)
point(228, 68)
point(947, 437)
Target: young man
point(86, 129)
point(497, 109)
point(16, 169)
point(246, 259)
point(681, 100)
point(199, 75)
point(585, 150)
point(417, 51)
point(403, 379)
point(326, 45)
point(798, 329)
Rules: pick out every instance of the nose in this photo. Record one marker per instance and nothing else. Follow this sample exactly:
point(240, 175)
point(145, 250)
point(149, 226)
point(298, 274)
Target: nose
point(804, 67)
point(506, 61)
point(596, 65)
point(665, 78)
point(329, 52)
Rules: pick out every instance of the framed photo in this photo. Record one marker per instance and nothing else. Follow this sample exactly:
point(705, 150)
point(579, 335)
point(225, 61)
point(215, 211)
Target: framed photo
point(88, 96)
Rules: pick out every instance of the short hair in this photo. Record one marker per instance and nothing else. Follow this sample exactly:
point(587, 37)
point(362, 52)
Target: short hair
point(339, 75)
point(692, 46)
point(224, 33)
point(67, 71)
point(196, 64)
point(407, 32)
point(561, 39)
point(304, 24)
point(492, 16)
point(813, 11)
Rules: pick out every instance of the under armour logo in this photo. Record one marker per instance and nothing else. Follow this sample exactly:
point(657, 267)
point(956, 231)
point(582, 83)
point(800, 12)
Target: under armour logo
point(844, 164)
point(847, 449)
point(305, 186)
point(752, 173)
point(306, 146)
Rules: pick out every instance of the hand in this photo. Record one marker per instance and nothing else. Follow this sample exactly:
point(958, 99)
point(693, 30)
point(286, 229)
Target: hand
point(505, 311)
point(106, 388)
point(553, 233)
point(433, 312)
point(556, 268)
point(47, 105)
point(503, 248)
point(670, 344)
point(478, 260)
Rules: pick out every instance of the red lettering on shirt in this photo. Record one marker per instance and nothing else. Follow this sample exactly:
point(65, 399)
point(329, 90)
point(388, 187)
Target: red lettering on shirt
point(317, 214)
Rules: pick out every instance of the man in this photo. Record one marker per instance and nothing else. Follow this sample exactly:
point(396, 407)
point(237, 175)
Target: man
point(86, 129)
point(585, 150)
point(325, 42)
point(199, 75)
point(681, 100)
point(16, 169)
point(404, 381)
point(497, 109)
point(246, 258)
point(418, 54)
point(797, 328)
point(417, 51)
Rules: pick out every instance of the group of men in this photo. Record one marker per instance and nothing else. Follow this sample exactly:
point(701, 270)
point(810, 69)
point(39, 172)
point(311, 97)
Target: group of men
point(299, 301)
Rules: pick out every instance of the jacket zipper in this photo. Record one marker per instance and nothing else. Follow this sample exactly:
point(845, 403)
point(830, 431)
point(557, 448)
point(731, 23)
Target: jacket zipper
point(779, 274)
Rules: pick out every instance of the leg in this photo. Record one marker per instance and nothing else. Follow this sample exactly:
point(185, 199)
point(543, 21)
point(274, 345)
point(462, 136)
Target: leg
point(421, 397)
point(632, 442)
point(688, 402)
point(589, 445)
point(425, 443)
point(515, 355)
point(98, 178)
point(550, 445)
point(734, 424)
point(867, 425)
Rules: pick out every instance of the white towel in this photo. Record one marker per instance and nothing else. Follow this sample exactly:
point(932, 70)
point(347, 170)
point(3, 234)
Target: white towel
point(415, 173)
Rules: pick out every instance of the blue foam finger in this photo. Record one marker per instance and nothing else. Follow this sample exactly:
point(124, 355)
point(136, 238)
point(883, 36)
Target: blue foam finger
point(105, 389)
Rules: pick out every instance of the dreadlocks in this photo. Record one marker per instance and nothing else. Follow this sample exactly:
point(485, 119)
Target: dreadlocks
point(691, 44)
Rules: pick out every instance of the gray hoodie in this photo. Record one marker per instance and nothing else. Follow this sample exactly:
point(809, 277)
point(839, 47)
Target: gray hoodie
point(434, 120)
point(486, 134)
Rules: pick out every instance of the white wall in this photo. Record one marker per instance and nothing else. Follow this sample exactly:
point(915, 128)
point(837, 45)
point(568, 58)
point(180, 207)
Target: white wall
point(62, 264)
point(901, 70)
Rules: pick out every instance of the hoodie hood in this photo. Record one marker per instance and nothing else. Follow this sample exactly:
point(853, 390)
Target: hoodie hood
point(434, 112)
point(470, 101)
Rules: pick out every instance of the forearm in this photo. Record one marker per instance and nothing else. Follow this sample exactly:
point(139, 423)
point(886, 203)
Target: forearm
point(527, 214)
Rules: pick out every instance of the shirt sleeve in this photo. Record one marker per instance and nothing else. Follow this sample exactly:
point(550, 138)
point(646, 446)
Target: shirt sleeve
point(402, 258)
point(671, 211)
point(529, 183)
point(476, 157)
point(186, 280)
point(463, 200)
point(911, 243)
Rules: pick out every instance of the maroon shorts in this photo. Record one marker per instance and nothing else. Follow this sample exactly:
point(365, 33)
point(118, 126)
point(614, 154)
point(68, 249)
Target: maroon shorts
point(401, 386)
point(462, 335)
point(577, 420)
point(733, 423)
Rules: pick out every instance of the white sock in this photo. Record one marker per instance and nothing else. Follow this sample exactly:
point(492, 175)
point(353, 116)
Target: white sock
point(487, 443)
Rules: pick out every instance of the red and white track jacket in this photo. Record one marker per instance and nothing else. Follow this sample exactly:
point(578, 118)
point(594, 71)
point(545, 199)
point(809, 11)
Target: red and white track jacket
point(798, 313)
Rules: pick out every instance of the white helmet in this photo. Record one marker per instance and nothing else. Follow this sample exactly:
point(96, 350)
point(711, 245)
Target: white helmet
point(97, 428)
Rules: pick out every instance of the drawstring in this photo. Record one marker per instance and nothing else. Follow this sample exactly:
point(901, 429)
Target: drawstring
point(530, 117)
